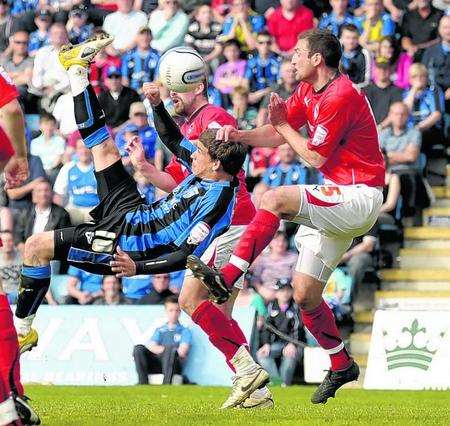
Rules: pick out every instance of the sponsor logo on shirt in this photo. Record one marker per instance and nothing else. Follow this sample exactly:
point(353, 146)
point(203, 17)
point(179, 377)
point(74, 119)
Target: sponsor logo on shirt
point(214, 125)
point(319, 135)
point(198, 233)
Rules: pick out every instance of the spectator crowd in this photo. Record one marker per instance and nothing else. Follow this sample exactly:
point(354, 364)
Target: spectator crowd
point(396, 51)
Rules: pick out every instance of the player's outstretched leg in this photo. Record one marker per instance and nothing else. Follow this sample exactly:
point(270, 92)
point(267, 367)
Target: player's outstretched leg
point(13, 403)
point(89, 115)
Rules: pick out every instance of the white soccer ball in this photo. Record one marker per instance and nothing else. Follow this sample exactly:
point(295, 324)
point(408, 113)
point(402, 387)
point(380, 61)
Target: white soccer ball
point(181, 69)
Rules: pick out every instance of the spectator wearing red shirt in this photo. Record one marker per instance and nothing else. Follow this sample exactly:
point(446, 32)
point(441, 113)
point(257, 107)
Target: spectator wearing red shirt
point(286, 23)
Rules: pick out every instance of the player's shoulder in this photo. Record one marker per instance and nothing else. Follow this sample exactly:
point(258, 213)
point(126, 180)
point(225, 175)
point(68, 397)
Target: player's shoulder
point(216, 116)
point(342, 91)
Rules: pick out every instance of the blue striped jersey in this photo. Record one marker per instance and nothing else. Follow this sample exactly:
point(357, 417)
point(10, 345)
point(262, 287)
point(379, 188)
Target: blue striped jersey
point(262, 73)
point(192, 216)
point(139, 68)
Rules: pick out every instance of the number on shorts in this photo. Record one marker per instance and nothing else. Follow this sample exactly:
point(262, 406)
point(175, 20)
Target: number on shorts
point(328, 191)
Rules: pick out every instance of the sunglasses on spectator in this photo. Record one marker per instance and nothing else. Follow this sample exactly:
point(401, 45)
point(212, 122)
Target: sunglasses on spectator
point(114, 76)
point(140, 114)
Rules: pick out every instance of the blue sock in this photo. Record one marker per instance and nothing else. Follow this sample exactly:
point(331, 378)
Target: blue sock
point(34, 284)
point(90, 118)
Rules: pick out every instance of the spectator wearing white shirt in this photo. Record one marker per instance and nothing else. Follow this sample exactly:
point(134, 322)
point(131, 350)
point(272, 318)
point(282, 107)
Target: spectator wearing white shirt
point(76, 186)
point(49, 77)
point(124, 25)
point(169, 25)
point(49, 146)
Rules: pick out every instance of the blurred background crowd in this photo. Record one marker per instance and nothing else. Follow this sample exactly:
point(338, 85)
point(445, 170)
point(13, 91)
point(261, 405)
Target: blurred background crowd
point(396, 51)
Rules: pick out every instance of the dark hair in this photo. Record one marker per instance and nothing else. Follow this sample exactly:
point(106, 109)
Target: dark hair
point(264, 33)
point(45, 116)
point(349, 27)
point(170, 299)
point(145, 30)
point(395, 46)
point(230, 154)
point(232, 42)
point(325, 43)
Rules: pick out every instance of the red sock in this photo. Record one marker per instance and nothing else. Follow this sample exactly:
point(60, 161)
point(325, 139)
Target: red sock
point(239, 333)
point(9, 353)
point(218, 328)
point(254, 240)
point(321, 324)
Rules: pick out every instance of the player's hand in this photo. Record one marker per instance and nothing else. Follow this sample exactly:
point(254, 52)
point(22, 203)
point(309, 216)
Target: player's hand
point(16, 172)
point(123, 265)
point(227, 133)
point(136, 152)
point(290, 351)
point(151, 92)
point(264, 351)
point(277, 110)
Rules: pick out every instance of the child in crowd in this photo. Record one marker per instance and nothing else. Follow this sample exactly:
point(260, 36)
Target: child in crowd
point(39, 38)
point(230, 74)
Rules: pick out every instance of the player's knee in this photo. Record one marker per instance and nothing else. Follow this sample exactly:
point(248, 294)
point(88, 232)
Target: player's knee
point(33, 244)
point(187, 303)
point(272, 200)
point(301, 298)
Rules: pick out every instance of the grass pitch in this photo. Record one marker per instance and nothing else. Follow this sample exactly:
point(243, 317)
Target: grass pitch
point(194, 405)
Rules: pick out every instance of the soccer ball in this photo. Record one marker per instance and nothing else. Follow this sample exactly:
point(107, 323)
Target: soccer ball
point(181, 69)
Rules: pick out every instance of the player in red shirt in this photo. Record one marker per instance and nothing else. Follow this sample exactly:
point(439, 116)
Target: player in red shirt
point(217, 322)
point(13, 160)
point(343, 144)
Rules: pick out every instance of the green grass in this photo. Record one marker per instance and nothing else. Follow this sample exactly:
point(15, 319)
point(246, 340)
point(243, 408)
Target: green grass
point(193, 405)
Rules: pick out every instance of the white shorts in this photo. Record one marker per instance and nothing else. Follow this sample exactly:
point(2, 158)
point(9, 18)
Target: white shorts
point(331, 216)
point(221, 249)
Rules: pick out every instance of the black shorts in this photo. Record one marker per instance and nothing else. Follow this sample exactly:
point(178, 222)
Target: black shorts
point(90, 246)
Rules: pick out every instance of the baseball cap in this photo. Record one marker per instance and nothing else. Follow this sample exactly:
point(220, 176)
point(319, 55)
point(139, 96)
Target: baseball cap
point(137, 108)
point(43, 13)
point(112, 70)
point(283, 283)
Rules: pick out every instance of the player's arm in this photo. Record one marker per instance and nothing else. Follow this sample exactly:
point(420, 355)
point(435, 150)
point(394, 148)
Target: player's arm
point(158, 178)
point(278, 117)
point(265, 136)
point(13, 122)
point(197, 236)
point(167, 129)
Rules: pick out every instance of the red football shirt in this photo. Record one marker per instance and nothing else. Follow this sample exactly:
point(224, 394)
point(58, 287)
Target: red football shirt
point(286, 31)
point(213, 117)
point(8, 92)
point(341, 128)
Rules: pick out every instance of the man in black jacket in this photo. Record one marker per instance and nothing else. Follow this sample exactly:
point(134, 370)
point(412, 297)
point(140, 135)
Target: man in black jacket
point(282, 314)
point(117, 100)
point(44, 216)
